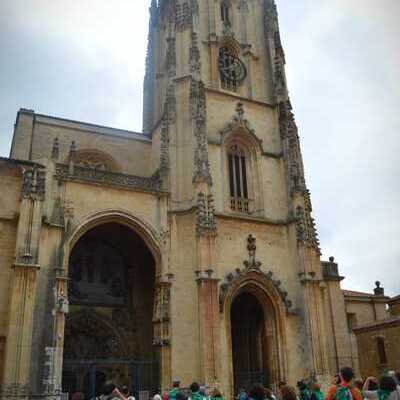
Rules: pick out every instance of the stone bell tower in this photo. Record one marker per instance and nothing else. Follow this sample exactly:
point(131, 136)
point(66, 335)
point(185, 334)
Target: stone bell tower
point(216, 106)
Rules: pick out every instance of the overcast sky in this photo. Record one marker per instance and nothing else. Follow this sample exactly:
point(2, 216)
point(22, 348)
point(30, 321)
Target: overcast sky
point(84, 60)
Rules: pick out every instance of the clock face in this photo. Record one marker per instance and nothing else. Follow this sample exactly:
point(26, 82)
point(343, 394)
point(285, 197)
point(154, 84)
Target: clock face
point(231, 67)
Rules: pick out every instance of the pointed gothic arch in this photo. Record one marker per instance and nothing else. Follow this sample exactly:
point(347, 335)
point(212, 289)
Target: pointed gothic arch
point(271, 336)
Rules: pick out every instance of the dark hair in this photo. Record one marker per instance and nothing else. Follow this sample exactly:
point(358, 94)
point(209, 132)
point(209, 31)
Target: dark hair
point(301, 385)
point(347, 374)
point(387, 383)
point(373, 385)
point(180, 396)
point(216, 393)
point(281, 383)
point(108, 389)
point(125, 390)
point(288, 393)
point(358, 383)
point(175, 384)
point(257, 392)
point(194, 387)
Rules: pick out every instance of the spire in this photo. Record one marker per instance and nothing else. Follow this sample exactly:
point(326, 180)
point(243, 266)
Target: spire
point(148, 79)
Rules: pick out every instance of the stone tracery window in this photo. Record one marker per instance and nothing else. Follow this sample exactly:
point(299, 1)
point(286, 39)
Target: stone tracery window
point(96, 160)
point(231, 68)
point(238, 179)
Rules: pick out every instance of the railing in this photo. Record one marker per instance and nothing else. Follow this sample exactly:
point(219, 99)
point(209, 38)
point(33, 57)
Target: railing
point(240, 204)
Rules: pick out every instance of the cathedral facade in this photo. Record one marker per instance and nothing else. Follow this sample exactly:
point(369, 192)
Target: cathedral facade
point(187, 251)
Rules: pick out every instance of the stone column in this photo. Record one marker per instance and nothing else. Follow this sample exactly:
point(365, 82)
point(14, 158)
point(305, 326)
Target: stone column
point(209, 327)
point(23, 286)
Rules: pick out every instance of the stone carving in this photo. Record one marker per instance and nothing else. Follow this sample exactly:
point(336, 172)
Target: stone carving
point(33, 183)
point(72, 151)
point(61, 303)
point(292, 153)
point(306, 229)
point(94, 159)
point(183, 16)
point(170, 104)
point(194, 56)
point(164, 236)
point(233, 277)
point(161, 314)
point(271, 19)
point(171, 57)
point(205, 215)
point(55, 151)
point(164, 148)
point(64, 173)
point(252, 263)
point(240, 123)
point(198, 114)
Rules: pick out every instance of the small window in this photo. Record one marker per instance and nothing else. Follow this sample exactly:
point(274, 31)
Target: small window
point(380, 342)
point(238, 187)
point(225, 13)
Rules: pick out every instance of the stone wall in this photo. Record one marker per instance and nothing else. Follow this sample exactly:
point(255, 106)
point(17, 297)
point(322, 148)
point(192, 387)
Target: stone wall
point(367, 339)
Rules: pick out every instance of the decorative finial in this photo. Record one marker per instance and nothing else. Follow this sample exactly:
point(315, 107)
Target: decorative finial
point(55, 151)
point(331, 259)
point(379, 291)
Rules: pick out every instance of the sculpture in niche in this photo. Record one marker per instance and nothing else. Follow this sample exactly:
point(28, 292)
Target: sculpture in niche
point(98, 275)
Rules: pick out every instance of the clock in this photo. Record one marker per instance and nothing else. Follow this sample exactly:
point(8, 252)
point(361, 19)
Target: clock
point(231, 68)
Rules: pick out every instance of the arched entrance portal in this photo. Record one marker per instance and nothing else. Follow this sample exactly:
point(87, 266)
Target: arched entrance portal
point(109, 329)
point(249, 341)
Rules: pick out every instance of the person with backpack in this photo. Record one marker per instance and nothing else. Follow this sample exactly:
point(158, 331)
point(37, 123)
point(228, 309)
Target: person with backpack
point(388, 389)
point(242, 395)
point(175, 389)
point(316, 393)
point(370, 388)
point(195, 392)
point(304, 391)
point(344, 389)
point(216, 395)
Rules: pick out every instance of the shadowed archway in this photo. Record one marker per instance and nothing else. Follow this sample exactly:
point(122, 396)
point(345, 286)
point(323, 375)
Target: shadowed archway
point(109, 332)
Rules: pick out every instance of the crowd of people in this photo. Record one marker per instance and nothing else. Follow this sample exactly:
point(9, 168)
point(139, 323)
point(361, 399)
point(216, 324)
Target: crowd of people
point(343, 387)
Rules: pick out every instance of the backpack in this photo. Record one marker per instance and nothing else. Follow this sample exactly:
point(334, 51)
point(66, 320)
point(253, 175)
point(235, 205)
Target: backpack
point(343, 393)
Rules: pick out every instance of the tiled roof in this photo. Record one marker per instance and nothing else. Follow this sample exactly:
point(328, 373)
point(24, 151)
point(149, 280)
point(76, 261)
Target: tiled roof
point(355, 293)
point(378, 324)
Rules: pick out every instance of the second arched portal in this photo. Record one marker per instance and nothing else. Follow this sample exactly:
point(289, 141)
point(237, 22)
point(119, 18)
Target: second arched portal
point(256, 334)
point(109, 329)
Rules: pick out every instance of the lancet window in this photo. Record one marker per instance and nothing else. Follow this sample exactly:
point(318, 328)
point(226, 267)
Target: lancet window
point(238, 179)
